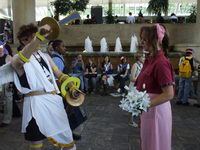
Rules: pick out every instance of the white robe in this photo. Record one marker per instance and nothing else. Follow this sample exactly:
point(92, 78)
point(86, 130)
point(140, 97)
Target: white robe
point(48, 110)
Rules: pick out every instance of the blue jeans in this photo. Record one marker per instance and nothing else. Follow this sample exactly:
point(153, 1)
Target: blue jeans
point(81, 77)
point(184, 89)
point(93, 81)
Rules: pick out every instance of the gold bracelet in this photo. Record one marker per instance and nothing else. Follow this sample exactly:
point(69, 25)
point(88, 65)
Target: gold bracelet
point(62, 76)
point(35, 146)
point(22, 57)
point(40, 37)
point(55, 68)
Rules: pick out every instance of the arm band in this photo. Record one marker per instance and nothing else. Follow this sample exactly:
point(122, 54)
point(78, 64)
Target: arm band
point(55, 68)
point(22, 58)
point(62, 77)
point(36, 146)
point(39, 36)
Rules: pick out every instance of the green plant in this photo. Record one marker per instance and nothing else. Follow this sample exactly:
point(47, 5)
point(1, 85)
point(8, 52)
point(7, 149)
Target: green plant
point(193, 14)
point(110, 18)
point(63, 7)
point(158, 6)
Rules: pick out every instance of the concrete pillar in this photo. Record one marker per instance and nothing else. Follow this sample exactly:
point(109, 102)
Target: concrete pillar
point(110, 5)
point(23, 13)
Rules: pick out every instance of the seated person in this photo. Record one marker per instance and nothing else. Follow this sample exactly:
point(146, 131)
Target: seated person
point(174, 18)
point(88, 20)
point(123, 74)
point(78, 69)
point(106, 78)
point(90, 75)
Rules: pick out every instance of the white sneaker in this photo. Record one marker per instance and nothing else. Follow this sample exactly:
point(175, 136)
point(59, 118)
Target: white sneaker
point(126, 88)
point(133, 124)
point(119, 90)
point(123, 94)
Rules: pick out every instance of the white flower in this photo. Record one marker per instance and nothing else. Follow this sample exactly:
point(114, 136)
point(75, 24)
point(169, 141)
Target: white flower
point(135, 102)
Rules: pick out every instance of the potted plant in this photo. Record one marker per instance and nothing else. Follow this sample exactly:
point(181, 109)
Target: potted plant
point(63, 7)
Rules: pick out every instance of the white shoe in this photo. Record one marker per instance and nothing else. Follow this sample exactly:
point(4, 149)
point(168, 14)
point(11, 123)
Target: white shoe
point(123, 94)
point(119, 90)
point(126, 88)
point(133, 124)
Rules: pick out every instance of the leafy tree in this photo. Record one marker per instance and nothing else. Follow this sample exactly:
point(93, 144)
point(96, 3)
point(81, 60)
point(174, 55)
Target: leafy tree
point(158, 6)
point(110, 18)
point(193, 14)
point(63, 7)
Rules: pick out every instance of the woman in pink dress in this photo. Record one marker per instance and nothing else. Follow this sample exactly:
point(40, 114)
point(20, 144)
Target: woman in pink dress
point(157, 78)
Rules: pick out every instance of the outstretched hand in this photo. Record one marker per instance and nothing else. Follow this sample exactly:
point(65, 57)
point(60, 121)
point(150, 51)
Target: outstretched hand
point(45, 30)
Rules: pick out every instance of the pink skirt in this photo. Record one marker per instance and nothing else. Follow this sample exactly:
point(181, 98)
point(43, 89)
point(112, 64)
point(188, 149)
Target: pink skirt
point(156, 127)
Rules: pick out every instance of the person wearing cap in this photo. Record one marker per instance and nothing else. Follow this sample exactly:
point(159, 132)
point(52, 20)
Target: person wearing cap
point(157, 79)
point(34, 75)
point(186, 83)
point(123, 74)
point(6, 90)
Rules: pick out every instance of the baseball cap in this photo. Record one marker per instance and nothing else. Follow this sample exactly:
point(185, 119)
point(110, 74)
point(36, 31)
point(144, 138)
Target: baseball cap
point(189, 50)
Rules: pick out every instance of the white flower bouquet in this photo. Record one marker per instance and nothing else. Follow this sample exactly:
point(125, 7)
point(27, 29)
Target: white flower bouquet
point(135, 102)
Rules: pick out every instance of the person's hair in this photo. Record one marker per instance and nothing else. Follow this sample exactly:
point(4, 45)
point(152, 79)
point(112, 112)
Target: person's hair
point(151, 37)
point(56, 43)
point(51, 41)
point(20, 47)
point(139, 54)
point(173, 14)
point(26, 30)
point(130, 13)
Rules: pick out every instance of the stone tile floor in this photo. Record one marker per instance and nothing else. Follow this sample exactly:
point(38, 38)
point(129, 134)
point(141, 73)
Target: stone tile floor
point(107, 128)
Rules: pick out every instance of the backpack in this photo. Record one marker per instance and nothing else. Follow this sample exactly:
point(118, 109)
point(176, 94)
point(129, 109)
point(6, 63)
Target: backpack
point(185, 68)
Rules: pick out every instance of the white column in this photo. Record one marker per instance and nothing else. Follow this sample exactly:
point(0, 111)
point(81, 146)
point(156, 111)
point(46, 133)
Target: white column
point(110, 5)
point(23, 13)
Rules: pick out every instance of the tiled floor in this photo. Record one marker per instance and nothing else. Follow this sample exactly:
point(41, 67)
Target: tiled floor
point(107, 128)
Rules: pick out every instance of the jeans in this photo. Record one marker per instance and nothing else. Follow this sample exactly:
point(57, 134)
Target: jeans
point(184, 89)
point(93, 81)
point(81, 77)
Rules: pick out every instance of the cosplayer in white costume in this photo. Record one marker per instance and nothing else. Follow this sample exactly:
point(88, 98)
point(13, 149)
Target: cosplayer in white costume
point(47, 109)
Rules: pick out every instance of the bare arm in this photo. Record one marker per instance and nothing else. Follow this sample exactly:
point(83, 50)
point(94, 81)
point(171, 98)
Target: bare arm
point(28, 50)
point(133, 71)
point(57, 72)
point(166, 95)
point(8, 58)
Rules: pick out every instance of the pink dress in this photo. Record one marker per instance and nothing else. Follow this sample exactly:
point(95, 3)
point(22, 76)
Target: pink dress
point(156, 124)
point(156, 127)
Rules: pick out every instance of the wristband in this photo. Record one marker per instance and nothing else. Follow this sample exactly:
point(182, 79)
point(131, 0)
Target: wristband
point(55, 68)
point(22, 57)
point(39, 36)
point(62, 76)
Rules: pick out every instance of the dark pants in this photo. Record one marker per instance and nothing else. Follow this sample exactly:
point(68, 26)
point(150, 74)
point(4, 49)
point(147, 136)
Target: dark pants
point(122, 81)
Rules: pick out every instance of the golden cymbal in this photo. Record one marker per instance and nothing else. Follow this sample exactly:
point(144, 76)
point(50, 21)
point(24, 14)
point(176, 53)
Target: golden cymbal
point(54, 27)
point(75, 102)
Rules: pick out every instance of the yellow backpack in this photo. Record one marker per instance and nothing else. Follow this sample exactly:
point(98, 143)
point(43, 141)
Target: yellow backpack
point(185, 68)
